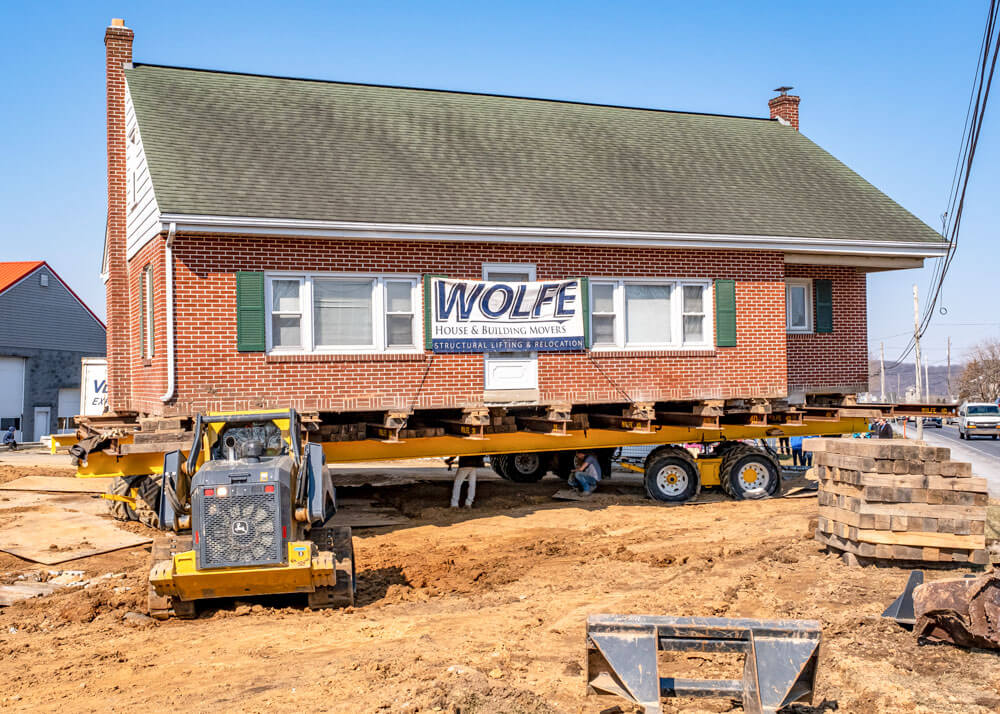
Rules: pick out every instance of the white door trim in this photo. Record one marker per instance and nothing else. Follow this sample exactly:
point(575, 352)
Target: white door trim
point(39, 433)
point(524, 363)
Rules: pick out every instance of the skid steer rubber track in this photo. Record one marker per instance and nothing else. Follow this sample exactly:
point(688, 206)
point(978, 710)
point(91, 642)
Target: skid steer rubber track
point(739, 489)
point(338, 540)
point(162, 607)
point(120, 510)
point(147, 502)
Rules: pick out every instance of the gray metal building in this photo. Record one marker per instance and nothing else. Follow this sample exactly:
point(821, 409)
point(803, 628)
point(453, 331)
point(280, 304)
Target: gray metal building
point(45, 331)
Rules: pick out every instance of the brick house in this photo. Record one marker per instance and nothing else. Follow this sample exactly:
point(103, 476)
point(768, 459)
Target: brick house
point(268, 238)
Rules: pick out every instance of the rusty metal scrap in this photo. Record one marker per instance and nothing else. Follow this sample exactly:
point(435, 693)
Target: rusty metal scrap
point(964, 611)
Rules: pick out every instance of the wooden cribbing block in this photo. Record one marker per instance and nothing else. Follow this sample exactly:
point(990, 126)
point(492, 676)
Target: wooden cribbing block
point(896, 500)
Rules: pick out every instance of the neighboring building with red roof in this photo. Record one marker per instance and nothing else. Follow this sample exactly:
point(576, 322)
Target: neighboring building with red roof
point(45, 330)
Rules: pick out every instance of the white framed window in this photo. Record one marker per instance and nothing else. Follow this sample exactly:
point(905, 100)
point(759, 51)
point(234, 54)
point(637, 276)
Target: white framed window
point(341, 313)
point(603, 319)
point(399, 314)
point(285, 321)
point(146, 310)
point(798, 305)
point(650, 314)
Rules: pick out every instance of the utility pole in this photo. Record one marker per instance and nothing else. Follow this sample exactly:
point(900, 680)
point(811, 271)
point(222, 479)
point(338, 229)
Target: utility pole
point(949, 368)
point(916, 340)
point(881, 369)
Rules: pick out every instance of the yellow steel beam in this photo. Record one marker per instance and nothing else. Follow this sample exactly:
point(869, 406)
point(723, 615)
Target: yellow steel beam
point(518, 442)
point(101, 464)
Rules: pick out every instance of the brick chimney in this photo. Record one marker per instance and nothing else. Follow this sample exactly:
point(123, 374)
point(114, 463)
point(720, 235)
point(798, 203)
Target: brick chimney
point(785, 107)
point(118, 51)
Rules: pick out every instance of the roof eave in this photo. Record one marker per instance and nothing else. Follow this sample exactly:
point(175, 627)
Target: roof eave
point(245, 225)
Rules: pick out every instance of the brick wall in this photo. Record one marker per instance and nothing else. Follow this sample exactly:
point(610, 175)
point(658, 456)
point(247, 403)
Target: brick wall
point(785, 106)
point(211, 374)
point(837, 361)
point(118, 50)
point(148, 376)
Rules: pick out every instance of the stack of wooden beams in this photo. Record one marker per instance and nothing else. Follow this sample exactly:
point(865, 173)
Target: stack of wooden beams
point(895, 500)
point(343, 432)
point(159, 435)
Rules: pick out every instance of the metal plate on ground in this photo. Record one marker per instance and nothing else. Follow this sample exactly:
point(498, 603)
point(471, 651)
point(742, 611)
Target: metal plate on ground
point(58, 484)
point(360, 513)
point(568, 494)
point(53, 528)
point(9, 594)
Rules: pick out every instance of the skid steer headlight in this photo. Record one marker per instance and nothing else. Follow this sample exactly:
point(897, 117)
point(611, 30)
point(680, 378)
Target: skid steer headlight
point(223, 491)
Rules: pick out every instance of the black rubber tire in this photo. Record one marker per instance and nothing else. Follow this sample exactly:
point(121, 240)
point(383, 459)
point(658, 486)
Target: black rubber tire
point(723, 447)
point(563, 463)
point(528, 467)
point(735, 460)
point(497, 463)
point(120, 510)
point(678, 459)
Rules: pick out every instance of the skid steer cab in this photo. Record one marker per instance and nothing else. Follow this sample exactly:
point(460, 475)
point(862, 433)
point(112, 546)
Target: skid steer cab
point(249, 520)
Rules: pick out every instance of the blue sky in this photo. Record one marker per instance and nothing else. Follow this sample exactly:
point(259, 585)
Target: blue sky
point(884, 88)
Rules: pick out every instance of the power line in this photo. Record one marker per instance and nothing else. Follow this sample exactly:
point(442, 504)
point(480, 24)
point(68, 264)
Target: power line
point(978, 100)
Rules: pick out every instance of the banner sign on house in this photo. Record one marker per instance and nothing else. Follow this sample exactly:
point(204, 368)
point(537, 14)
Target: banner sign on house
point(484, 316)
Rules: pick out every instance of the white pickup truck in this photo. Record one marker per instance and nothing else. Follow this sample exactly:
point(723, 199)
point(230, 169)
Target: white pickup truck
point(978, 419)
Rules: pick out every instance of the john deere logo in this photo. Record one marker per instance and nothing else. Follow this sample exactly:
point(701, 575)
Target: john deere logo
point(240, 528)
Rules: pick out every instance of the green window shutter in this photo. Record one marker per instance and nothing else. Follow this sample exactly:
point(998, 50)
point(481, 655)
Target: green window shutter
point(250, 312)
point(725, 313)
point(824, 305)
point(585, 299)
point(427, 312)
point(428, 303)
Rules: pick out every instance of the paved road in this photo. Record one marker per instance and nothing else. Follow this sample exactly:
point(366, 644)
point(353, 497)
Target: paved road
point(983, 453)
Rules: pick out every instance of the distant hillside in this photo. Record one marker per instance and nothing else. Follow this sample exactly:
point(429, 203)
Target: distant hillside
point(904, 376)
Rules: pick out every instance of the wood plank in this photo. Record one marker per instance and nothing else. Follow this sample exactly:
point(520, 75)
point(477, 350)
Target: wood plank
point(58, 484)
point(931, 540)
point(160, 447)
point(923, 510)
point(941, 483)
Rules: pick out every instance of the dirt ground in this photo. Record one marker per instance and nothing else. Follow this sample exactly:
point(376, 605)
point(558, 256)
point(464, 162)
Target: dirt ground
point(483, 611)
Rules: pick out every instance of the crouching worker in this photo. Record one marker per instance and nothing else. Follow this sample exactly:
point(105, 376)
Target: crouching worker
point(10, 439)
point(586, 474)
point(467, 468)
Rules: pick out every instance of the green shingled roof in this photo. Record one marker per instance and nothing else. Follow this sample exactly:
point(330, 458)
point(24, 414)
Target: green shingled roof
point(246, 145)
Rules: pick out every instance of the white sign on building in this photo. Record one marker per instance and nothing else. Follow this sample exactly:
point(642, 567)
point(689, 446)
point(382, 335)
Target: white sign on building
point(484, 316)
point(94, 386)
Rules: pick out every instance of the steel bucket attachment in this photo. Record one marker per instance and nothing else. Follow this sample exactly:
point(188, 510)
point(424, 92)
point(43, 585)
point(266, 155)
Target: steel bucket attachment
point(901, 609)
point(780, 658)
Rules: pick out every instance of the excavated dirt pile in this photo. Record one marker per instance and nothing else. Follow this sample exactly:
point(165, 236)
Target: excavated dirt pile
point(484, 611)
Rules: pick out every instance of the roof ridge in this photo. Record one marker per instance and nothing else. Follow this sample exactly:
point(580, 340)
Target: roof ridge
point(450, 91)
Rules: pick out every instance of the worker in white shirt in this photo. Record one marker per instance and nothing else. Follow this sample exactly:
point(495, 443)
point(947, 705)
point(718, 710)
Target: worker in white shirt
point(467, 468)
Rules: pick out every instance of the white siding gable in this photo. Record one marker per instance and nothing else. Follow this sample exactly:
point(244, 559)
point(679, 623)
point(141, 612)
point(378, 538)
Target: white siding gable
point(143, 214)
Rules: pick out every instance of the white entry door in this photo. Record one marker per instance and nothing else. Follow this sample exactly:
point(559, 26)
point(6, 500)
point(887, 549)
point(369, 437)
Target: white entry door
point(510, 370)
point(42, 415)
point(11, 393)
